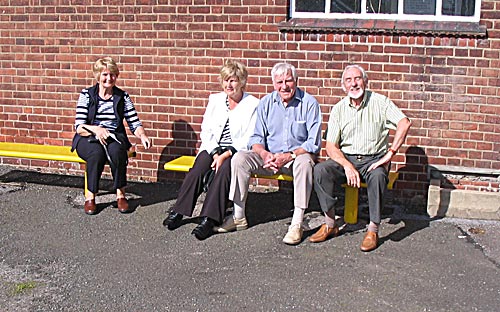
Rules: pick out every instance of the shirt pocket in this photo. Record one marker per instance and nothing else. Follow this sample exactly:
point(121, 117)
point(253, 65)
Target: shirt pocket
point(299, 130)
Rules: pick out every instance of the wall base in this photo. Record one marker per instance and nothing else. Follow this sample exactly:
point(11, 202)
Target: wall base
point(463, 203)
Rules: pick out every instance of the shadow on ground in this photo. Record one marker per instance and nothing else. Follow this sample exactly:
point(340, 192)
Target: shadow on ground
point(145, 194)
point(262, 207)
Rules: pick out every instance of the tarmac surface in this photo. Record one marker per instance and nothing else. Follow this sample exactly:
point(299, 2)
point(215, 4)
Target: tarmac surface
point(53, 257)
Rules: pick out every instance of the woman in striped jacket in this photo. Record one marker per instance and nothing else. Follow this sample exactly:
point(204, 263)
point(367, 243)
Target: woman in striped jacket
point(100, 133)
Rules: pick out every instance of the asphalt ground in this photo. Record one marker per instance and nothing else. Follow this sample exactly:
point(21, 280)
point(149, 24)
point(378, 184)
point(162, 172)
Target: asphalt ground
point(53, 257)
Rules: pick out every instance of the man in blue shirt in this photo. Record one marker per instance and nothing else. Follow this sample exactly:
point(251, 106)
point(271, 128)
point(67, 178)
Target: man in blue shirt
point(286, 139)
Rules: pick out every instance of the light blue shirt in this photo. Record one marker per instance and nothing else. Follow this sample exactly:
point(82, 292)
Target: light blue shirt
point(282, 129)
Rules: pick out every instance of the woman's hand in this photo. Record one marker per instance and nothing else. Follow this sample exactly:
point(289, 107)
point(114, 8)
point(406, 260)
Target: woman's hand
point(102, 134)
point(141, 134)
point(146, 142)
point(219, 160)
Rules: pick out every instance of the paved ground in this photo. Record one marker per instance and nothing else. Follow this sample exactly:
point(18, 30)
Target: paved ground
point(53, 257)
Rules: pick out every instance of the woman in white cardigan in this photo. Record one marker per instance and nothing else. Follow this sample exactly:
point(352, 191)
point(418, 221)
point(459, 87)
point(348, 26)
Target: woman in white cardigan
point(228, 122)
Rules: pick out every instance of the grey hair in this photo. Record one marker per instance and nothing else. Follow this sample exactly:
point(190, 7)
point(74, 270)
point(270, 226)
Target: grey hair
point(361, 69)
point(282, 69)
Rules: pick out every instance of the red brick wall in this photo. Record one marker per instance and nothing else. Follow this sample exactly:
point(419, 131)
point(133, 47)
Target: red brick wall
point(169, 53)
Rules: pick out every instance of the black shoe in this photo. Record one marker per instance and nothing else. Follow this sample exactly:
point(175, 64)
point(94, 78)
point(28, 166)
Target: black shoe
point(204, 229)
point(173, 220)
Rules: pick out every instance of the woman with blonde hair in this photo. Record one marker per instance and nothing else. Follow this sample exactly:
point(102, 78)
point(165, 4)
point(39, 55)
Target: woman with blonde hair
point(100, 133)
point(227, 124)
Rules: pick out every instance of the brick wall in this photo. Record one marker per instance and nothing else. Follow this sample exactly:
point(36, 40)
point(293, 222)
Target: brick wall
point(169, 53)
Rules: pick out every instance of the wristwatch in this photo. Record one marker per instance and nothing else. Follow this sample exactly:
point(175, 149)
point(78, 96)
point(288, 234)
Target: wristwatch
point(293, 155)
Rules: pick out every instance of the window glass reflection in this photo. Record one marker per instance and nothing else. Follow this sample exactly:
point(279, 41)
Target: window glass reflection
point(382, 6)
point(345, 6)
point(310, 5)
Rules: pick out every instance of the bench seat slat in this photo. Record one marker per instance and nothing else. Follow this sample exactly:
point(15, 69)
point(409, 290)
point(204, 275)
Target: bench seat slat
point(184, 163)
point(43, 152)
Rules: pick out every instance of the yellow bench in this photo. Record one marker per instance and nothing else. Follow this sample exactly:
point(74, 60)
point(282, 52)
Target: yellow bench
point(184, 163)
point(44, 152)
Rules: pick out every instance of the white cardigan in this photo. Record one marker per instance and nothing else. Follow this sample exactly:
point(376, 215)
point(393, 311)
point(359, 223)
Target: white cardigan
point(241, 121)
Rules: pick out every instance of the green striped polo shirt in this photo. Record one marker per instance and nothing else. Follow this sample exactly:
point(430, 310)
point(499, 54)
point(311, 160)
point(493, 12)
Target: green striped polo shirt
point(363, 130)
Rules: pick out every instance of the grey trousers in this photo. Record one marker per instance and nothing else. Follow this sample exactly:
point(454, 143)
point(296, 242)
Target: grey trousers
point(329, 175)
point(245, 163)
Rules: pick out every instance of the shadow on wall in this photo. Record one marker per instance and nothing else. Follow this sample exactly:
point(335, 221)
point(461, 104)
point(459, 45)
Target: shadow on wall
point(413, 182)
point(430, 181)
point(413, 206)
point(183, 143)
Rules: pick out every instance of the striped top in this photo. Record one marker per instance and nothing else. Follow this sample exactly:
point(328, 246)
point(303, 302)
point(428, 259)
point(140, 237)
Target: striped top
point(225, 138)
point(105, 116)
point(363, 130)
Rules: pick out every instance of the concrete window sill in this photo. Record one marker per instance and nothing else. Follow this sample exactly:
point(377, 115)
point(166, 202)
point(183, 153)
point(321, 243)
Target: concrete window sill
point(361, 26)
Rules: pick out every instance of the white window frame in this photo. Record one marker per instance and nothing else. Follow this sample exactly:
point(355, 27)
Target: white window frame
point(399, 16)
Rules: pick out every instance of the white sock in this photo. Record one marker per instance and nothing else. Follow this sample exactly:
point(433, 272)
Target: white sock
point(239, 211)
point(298, 216)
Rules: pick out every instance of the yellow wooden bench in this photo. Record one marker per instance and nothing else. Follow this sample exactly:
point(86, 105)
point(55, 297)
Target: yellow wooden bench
point(43, 152)
point(184, 163)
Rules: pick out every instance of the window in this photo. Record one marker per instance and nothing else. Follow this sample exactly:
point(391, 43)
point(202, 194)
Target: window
point(429, 10)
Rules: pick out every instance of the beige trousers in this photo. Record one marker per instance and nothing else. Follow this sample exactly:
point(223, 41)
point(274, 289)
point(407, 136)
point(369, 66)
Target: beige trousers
point(245, 163)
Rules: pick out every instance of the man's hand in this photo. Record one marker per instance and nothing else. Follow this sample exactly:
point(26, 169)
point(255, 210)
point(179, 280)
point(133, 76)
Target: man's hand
point(276, 161)
point(384, 161)
point(269, 161)
point(352, 176)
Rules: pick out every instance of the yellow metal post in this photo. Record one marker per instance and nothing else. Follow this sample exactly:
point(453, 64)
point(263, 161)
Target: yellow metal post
point(85, 192)
point(351, 205)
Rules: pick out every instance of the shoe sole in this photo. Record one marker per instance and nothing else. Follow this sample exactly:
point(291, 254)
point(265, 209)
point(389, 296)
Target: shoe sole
point(238, 228)
point(291, 242)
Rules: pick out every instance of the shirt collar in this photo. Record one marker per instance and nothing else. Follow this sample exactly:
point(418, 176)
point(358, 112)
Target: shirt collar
point(297, 97)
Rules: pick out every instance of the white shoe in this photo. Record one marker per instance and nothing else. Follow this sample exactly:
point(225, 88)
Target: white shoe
point(231, 224)
point(294, 235)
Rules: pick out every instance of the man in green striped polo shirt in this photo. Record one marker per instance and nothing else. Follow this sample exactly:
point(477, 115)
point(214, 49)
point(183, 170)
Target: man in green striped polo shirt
point(357, 145)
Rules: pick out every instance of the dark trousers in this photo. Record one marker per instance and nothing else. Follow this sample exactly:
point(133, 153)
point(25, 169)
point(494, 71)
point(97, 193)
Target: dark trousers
point(95, 156)
point(216, 198)
point(329, 175)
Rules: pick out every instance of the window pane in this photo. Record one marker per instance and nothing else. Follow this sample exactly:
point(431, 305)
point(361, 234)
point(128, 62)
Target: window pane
point(382, 6)
point(345, 6)
point(458, 7)
point(420, 7)
point(310, 6)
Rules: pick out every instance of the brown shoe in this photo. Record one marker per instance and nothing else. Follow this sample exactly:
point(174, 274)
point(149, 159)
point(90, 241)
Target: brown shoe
point(323, 233)
point(370, 241)
point(89, 207)
point(123, 206)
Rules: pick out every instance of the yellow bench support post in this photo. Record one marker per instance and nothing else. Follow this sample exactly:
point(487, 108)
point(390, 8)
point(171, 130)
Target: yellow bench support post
point(44, 152)
point(351, 205)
